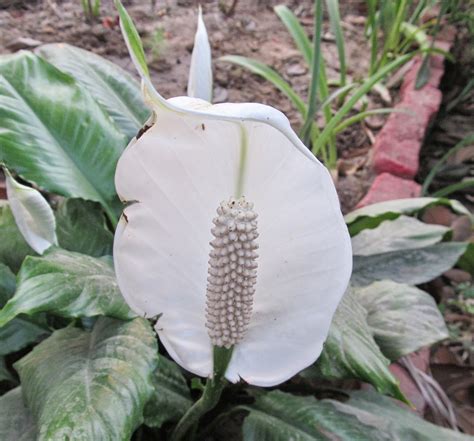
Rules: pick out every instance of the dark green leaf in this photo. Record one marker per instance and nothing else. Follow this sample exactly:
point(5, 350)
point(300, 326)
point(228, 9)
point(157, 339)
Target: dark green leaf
point(279, 416)
point(466, 262)
point(397, 422)
point(16, 421)
point(5, 375)
point(403, 318)
point(13, 248)
point(366, 416)
point(351, 352)
point(61, 140)
point(84, 385)
point(66, 284)
point(407, 266)
point(424, 73)
point(372, 215)
point(115, 89)
point(7, 283)
point(81, 227)
point(19, 333)
point(171, 398)
point(402, 233)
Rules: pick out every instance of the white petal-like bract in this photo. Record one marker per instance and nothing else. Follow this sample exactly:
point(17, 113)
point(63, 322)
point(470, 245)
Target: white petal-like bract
point(174, 176)
point(200, 72)
point(33, 215)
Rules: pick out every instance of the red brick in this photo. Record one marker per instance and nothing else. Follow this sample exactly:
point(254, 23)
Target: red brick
point(387, 187)
point(399, 158)
point(398, 144)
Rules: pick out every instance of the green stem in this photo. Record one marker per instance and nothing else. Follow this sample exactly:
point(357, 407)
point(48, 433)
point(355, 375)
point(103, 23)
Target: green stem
point(210, 396)
point(109, 211)
point(315, 73)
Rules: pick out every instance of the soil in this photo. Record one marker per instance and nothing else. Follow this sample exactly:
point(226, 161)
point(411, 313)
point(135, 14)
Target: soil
point(167, 29)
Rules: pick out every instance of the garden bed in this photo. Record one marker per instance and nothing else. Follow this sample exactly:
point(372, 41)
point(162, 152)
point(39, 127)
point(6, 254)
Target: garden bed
point(372, 164)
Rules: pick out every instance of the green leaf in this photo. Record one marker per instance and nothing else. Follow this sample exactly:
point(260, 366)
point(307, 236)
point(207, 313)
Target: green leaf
point(403, 318)
point(372, 215)
point(279, 416)
point(19, 333)
point(66, 284)
point(296, 31)
point(350, 350)
point(270, 75)
point(16, 421)
point(81, 227)
point(61, 140)
point(5, 375)
point(402, 233)
point(366, 416)
point(395, 421)
point(466, 262)
point(132, 39)
point(171, 397)
point(336, 28)
point(7, 284)
point(407, 266)
point(13, 247)
point(94, 385)
point(113, 88)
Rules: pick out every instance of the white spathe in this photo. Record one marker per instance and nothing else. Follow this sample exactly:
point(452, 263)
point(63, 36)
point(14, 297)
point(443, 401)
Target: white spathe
point(200, 72)
point(33, 215)
point(194, 156)
point(177, 173)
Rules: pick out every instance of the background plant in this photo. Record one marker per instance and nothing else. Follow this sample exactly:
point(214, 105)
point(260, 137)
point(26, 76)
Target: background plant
point(390, 19)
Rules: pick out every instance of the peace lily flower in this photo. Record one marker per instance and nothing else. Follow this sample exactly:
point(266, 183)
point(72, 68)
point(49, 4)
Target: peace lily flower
point(232, 235)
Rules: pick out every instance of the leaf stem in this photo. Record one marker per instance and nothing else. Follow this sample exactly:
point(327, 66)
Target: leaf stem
point(315, 73)
point(210, 396)
point(109, 211)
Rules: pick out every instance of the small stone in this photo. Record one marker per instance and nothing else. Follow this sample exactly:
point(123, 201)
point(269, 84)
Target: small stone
point(461, 228)
point(296, 70)
point(220, 95)
point(23, 43)
point(458, 276)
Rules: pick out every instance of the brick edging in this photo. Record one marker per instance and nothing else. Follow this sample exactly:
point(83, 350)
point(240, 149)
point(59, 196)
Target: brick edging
point(397, 146)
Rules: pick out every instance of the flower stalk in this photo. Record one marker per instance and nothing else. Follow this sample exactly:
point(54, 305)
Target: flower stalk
point(210, 396)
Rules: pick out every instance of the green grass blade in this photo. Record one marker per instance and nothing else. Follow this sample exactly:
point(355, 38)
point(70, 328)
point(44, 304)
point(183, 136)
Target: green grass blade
point(372, 25)
point(270, 75)
point(453, 188)
point(362, 115)
point(361, 91)
point(337, 93)
point(335, 21)
point(315, 72)
point(296, 31)
point(434, 171)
